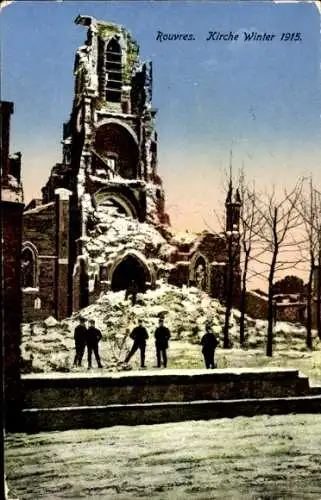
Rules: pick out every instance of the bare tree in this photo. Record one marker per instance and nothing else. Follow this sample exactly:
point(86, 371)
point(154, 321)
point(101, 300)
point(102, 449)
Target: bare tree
point(279, 218)
point(250, 219)
point(310, 210)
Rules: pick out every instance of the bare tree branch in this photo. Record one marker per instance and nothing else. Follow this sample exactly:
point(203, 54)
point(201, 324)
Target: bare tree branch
point(279, 219)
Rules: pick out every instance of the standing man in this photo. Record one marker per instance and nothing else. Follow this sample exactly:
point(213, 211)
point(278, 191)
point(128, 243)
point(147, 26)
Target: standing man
point(162, 336)
point(139, 336)
point(209, 343)
point(93, 338)
point(80, 336)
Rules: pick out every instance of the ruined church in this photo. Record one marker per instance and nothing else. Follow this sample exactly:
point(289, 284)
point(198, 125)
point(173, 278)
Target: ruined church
point(101, 223)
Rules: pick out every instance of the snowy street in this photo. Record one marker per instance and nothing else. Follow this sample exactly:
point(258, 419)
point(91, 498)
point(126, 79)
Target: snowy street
point(243, 458)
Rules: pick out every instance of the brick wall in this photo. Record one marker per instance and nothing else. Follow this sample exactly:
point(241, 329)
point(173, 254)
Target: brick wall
point(39, 228)
point(179, 276)
point(294, 313)
point(256, 305)
point(213, 247)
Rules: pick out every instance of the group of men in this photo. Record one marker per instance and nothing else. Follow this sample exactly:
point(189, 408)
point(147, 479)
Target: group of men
point(91, 337)
point(162, 335)
point(87, 337)
point(139, 335)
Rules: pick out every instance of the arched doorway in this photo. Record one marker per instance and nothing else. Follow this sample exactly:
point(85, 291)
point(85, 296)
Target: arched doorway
point(128, 270)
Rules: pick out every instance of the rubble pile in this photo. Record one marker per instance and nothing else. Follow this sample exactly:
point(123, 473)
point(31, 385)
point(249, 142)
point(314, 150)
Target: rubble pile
point(46, 346)
point(49, 346)
point(114, 232)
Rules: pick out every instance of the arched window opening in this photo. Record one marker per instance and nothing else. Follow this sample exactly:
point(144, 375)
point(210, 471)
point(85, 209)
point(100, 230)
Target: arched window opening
point(200, 277)
point(37, 304)
point(113, 71)
point(28, 269)
point(116, 144)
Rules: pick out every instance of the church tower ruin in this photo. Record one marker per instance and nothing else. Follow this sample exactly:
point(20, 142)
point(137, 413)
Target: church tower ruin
point(109, 142)
point(101, 223)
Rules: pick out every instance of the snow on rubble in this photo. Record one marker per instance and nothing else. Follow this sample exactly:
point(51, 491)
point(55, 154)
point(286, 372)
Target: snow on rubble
point(115, 232)
point(49, 345)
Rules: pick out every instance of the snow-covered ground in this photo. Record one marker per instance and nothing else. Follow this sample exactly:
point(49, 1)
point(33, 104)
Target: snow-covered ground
point(254, 458)
point(49, 345)
point(264, 457)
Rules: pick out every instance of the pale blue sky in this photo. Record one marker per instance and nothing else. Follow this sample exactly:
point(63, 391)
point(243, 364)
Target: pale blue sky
point(262, 97)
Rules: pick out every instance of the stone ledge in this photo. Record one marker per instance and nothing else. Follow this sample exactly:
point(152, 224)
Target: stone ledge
point(74, 390)
point(53, 419)
point(168, 372)
point(155, 378)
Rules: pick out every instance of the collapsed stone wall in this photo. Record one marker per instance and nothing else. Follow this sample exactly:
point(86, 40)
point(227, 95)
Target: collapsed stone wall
point(114, 233)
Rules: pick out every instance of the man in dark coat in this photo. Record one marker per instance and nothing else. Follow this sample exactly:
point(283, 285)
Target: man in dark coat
point(93, 338)
point(139, 336)
point(80, 336)
point(209, 343)
point(162, 336)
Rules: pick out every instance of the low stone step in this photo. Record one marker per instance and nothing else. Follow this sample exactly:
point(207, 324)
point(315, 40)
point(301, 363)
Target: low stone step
point(52, 419)
point(152, 386)
point(315, 389)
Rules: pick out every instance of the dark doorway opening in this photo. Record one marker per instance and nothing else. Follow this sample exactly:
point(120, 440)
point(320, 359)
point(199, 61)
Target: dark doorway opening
point(200, 277)
point(130, 269)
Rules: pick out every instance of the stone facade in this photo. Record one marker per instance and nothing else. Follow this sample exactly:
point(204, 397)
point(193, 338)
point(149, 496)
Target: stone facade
point(11, 206)
point(101, 223)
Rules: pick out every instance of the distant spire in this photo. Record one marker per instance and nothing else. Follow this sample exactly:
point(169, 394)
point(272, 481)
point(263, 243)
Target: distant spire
point(237, 196)
point(230, 185)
